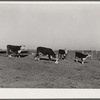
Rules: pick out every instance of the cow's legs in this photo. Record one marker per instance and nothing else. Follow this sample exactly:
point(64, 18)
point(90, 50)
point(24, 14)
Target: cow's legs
point(82, 60)
point(16, 55)
point(49, 57)
point(8, 52)
point(57, 59)
point(9, 56)
point(19, 51)
point(19, 55)
point(37, 57)
point(76, 59)
point(60, 56)
point(63, 56)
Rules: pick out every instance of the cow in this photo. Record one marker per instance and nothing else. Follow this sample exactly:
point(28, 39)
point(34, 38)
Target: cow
point(14, 49)
point(43, 51)
point(61, 54)
point(81, 56)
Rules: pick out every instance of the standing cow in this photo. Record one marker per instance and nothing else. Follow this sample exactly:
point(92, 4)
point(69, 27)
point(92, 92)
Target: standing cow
point(62, 53)
point(14, 49)
point(81, 56)
point(45, 51)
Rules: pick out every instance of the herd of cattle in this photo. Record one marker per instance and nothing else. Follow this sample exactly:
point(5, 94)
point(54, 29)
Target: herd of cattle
point(43, 51)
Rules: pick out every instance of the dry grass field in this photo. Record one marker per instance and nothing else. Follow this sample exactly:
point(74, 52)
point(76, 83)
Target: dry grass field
point(25, 72)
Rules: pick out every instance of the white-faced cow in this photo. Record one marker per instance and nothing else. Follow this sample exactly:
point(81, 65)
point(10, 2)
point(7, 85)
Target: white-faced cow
point(14, 49)
point(45, 52)
point(81, 56)
point(61, 54)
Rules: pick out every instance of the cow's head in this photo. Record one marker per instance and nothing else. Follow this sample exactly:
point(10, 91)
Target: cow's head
point(89, 55)
point(54, 56)
point(22, 47)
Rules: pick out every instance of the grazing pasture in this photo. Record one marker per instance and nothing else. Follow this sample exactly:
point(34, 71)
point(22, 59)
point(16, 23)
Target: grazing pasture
point(25, 72)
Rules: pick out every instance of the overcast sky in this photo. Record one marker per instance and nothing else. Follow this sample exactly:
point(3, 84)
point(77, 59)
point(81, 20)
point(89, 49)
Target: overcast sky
point(71, 26)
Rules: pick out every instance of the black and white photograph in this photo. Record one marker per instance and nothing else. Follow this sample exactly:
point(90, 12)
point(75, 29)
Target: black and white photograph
point(50, 45)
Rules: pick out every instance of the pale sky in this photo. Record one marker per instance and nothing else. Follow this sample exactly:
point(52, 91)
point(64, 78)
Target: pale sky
point(71, 26)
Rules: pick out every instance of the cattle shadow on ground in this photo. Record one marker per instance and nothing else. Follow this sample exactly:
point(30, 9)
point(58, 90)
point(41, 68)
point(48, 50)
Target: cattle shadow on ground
point(80, 62)
point(47, 59)
point(25, 55)
point(21, 56)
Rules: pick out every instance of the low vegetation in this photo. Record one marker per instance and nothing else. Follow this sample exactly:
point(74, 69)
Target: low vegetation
point(25, 72)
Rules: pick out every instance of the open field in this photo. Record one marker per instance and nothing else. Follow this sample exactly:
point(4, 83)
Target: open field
point(25, 72)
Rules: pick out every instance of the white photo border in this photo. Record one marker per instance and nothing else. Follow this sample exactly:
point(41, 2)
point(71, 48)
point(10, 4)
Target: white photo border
point(33, 93)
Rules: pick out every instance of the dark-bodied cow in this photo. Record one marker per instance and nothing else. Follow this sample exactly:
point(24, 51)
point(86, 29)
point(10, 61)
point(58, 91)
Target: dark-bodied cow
point(45, 51)
point(14, 49)
point(62, 53)
point(81, 56)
